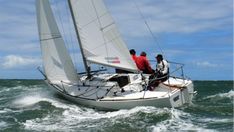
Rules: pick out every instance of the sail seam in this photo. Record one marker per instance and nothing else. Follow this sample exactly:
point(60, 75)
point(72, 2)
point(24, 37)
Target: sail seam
point(106, 43)
point(50, 38)
point(92, 21)
point(107, 26)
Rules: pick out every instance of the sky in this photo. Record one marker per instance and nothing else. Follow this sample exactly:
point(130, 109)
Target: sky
point(197, 33)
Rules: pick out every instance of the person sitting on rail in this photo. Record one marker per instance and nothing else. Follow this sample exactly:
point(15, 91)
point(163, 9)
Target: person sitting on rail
point(161, 73)
point(162, 68)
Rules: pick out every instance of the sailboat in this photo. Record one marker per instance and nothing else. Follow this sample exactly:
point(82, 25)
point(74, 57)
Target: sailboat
point(100, 43)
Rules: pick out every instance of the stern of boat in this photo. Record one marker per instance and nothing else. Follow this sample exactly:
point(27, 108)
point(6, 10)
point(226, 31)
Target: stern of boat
point(182, 91)
point(188, 92)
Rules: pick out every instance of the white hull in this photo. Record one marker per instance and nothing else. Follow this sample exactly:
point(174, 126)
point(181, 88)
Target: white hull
point(162, 96)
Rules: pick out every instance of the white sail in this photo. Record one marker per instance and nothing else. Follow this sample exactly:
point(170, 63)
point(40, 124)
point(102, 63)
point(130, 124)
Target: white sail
point(58, 65)
point(100, 39)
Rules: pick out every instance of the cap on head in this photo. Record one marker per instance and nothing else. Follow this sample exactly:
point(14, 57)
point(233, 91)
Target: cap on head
point(159, 56)
point(132, 52)
point(143, 53)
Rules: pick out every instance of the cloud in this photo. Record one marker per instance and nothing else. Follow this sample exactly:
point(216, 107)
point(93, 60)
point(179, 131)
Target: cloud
point(206, 64)
point(19, 33)
point(18, 27)
point(15, 61)
point(165, 16)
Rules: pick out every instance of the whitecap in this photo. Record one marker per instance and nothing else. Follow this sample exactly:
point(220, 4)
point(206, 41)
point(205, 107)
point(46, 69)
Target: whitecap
point(163, 127)
point(31, 98)
point(215, 120)
point(21, 88)
point(5, 110)
point(2, 111)
point(27, 101)
point(79, 115)
point(229, 95)
point(3, 124)
point(33, 94)
point(75, 117)
point(179, 121)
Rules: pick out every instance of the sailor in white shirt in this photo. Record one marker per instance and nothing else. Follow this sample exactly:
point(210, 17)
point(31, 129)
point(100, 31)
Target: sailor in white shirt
point(161, 73)
point(162, 67)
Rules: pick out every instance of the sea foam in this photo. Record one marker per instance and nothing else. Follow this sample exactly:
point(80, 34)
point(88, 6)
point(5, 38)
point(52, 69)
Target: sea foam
point(229, 95)
point(3, 125)
point(75, 117)
point(179, 121)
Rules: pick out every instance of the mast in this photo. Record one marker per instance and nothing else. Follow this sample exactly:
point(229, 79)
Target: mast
point(87, 68)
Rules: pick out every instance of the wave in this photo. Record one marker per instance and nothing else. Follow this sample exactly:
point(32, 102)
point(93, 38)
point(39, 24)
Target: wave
point(76, 117)
point(219, 96)
point(29, 100)
point(35, 108)
point(5, 110)
point(3, 125)
point(215, 120)
point(20, 88)
point(94, 120)
point(29, 95)
point(179, 121)
point(7, 89)
point(87, 119)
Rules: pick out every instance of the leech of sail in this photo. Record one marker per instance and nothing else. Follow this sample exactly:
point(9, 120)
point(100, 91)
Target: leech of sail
point(100, 39)
point(57, 63)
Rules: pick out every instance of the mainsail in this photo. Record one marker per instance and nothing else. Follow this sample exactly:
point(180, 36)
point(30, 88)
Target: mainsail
point(100, 39)
point(57, 62)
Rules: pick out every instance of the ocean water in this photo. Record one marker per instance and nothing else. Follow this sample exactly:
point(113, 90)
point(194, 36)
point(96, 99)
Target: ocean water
point(30, 105)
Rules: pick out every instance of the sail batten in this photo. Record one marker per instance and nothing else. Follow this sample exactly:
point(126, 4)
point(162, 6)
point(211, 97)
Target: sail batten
point(57, 62)
point(100, 39)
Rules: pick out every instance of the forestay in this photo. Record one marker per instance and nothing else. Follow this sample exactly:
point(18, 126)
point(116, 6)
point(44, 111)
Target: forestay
point(58, 65)
point(100, 39)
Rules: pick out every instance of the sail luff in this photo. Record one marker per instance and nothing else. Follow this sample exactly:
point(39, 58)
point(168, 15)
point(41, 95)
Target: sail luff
point(57, 62)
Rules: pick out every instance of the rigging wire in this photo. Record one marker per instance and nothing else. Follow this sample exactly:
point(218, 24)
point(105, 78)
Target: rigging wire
point(61, 23)
point(72, 42)
point(66, 41)
point(148, 27)
point(60, 19)
point(100, 24)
